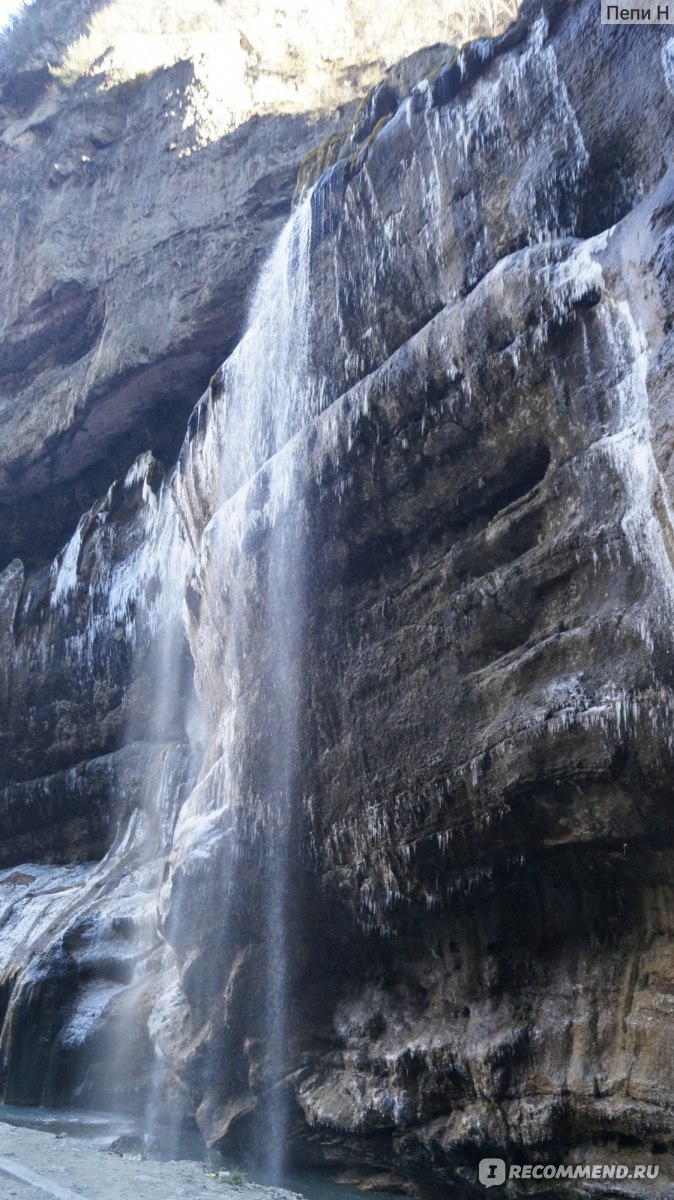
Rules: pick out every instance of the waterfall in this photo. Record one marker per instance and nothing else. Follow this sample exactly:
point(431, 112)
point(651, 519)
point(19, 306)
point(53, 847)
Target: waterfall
point(238, 476)
point(205, 779)
point(190, 923)
point(212, 574)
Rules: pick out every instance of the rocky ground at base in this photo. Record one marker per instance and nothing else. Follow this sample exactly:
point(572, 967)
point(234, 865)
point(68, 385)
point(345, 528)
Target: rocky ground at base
point(35, 1164)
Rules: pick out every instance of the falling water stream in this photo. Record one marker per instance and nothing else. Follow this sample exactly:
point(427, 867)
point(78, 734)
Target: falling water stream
point(176, 857)
point(217, 584)
point(250, 421)
point(216, 568)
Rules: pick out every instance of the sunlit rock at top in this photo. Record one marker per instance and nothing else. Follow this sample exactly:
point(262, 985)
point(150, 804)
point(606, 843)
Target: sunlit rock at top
point(148, 158)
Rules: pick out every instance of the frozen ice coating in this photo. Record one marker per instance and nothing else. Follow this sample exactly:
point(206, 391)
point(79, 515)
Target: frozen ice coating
point(338, 812)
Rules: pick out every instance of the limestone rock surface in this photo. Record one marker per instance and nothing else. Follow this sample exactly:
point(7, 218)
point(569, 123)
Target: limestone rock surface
point(448, 751)
point(148, 157)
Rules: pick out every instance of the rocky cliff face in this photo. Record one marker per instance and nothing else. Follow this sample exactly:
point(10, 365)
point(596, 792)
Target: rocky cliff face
point(148, 160)
point(370, 700)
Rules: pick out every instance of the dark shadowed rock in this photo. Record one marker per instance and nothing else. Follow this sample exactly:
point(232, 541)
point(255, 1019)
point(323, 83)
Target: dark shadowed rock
point(119, 224)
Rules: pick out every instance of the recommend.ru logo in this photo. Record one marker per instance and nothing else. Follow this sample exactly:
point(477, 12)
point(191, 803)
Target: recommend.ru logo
point(493, 1172)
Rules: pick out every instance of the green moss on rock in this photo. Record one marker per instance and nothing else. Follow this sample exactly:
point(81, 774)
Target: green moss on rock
point(319, 158)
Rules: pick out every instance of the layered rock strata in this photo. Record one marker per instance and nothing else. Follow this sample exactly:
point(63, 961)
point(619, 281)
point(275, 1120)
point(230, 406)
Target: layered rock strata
point(426, 611)
point(148, 159)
